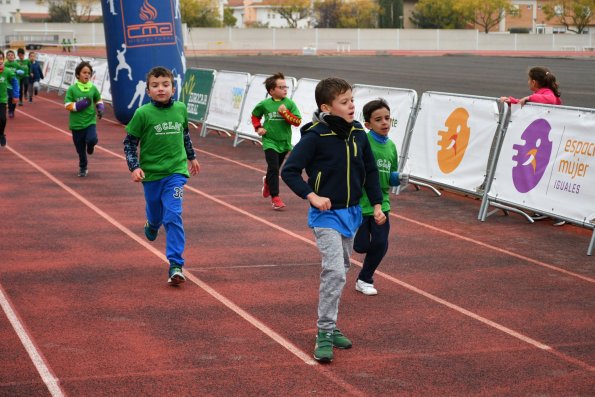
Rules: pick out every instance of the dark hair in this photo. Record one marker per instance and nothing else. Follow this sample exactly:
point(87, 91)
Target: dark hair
point(21, 51)
point(544, 78)
point(271, 82)
point(373, 106)
point(330, 88)
point(80, 66)
point(160, 71)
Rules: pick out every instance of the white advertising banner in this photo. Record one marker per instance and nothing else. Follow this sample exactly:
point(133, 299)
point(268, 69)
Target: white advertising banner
point(257, 92)
point(57, 72)
point(401, 101)
point(99, 66)
point(547, 161)
point(46, 62)
point(69, 75)
point(451, 139)
point(227, 97)
point(303, 96)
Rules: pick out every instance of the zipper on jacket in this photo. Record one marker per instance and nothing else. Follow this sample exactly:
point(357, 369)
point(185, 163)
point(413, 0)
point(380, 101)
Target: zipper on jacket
point(317, 183)
point(348, 170)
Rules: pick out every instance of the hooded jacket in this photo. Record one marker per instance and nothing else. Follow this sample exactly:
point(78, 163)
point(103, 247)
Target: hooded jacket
point(337, 164)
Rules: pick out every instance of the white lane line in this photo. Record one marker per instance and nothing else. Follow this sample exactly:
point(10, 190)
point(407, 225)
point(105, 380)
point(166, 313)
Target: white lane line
point(39, 362)
point(286, 344)
point(410, 287)
point(497, 249)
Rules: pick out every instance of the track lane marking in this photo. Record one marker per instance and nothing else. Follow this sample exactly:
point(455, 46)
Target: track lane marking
point(285, 343)
point(40, 363)
point(410, 287)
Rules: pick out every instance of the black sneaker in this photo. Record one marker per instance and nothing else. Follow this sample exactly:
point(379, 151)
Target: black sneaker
point(83, 172)
point(150, 233)
point(2, 140)
point(176, 275)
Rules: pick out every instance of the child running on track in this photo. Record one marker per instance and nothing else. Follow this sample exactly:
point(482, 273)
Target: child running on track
point(372, 238)
point(81, 100)
point(280, 113)
point(338, 160)
point(7, 79)
point(166, 156)
point(11, 64)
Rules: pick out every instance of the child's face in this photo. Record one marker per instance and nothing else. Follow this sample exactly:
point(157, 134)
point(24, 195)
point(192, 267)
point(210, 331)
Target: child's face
point(342, 106)
point(160, 89)
point(280, 90)
point(1, 65)
point(379, 121)
point(84, 75)
point(31, 56)
point(10, 56)
point(21, 55)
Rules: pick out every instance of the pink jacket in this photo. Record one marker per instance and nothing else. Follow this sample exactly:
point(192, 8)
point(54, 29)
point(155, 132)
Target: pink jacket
point(542, 95)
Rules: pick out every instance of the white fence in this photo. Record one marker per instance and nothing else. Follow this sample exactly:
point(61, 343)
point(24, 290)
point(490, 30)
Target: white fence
point(339, 40)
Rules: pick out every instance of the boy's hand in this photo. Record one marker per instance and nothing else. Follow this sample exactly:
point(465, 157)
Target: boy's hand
point(379, 216)
point(194, 167)
point(322, 203)
point(282, 109)
point(504, 99)
point(261, 131)
point(523, 101)
point(138, 175)
point(15, 100)
point(100, 110)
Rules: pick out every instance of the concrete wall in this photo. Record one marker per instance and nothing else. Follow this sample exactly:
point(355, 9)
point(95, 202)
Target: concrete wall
point(331, 39)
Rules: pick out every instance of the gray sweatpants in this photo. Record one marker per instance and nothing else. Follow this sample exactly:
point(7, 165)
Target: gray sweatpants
point(335, 250)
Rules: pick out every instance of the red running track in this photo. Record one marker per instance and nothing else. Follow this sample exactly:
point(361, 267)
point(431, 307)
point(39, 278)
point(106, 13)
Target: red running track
point(501, 308)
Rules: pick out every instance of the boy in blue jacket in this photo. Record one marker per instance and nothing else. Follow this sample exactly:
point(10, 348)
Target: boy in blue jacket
point(335, 152)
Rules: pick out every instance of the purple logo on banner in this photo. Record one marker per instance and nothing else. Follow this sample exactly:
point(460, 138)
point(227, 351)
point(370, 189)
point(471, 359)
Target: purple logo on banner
point(532, 158)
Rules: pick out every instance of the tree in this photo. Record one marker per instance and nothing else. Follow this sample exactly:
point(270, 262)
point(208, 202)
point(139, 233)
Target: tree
point(358, 14)
point(200, 13)
point(575, 15)
point(484, 13)
point(228, 18)
point(69, 10)
point(294, 11)
point(437, 14)
point(390, 13)
point(327, 13)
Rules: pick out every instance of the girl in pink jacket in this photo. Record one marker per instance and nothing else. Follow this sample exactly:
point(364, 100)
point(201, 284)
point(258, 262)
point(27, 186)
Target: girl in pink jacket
point(544, 86)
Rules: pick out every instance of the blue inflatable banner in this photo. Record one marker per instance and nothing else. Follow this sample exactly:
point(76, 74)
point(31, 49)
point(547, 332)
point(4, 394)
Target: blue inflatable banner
point(139, 35)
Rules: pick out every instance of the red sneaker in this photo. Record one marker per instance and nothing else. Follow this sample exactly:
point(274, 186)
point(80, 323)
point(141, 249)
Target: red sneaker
point(277, 203)
point(265, 187)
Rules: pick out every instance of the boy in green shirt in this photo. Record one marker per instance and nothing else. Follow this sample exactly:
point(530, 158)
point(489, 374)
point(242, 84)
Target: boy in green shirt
point(7, 79)
point(280, 113)
point(24, 80)
point(12, 65)
point(167, 159)
point(79, 100)
point(371, 237)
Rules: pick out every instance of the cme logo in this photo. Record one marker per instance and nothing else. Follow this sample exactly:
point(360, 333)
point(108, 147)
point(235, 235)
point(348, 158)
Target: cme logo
point(454, 141)
point(147, 26)
point(532, 157)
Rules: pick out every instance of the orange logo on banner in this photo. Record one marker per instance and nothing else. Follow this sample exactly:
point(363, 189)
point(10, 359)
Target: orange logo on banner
point(453, 142)
point(149, 32)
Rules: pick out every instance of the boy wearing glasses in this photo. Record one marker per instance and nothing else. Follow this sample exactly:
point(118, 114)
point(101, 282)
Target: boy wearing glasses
point(280, 113)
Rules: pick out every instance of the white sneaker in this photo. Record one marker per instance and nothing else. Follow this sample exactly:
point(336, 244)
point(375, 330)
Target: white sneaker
point(365, 288)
